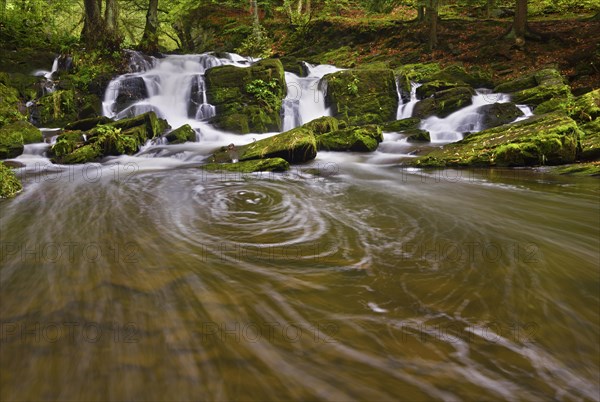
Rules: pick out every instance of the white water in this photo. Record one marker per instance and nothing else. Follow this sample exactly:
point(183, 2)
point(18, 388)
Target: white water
point(467, 119)
point(405, 109)
point(305, 100)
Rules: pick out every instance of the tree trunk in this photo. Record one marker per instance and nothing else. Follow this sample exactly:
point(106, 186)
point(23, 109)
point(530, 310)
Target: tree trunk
point(432, 18)
point(308, 7)
point(420, 13)
point(520, 22)
point(93, 26)
point(491, 4)
point(149, 42)
point(111, 25)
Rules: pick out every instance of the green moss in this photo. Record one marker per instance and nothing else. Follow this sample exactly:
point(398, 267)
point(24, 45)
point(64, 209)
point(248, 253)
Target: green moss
point(586, 108)
point(590, 141)
point(417, 135)
point(247, 99)
point(58, 108)
point(295, 146)
point(84, 154)
point(343, 56)
point(401, 125)
point(456, 74)
point(579, 169)
point(415, 73)
point(182, 134)
point(497, 114)
point(14, 135)
point(9, 105)
point(356, 139)
point(322, 125)
point(9, 183)
point(363, 96)
point(543, 140)
point(87, 124)
point(430, 88)
point(30, 133)
point(444, 103)
point(260, 165)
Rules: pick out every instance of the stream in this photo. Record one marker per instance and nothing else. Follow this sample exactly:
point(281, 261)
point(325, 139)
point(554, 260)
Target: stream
point(347, 278)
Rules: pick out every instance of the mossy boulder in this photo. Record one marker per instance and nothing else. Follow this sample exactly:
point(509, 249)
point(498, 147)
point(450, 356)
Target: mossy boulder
point(546, 90)
point(401, 125)
point(586, 107)
point(295, 146)
point(363, 96)
point(355, 139)
point(182, 134)
point(430, 88)
point(550, 139)
point(414, 73)
point(590, 141)
point(323, 125)
point(251, 166)
point(247, 99)
point(579, 169)
point(87, 124)
point(444, 103)
point(497, 114)
point(9, 105)
point(9, 183)
point(14, 135)
point(417, 135)
point(114, 138)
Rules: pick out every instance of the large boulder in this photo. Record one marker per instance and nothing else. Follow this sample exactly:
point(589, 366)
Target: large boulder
point(9, 183)
point(497, 114)
point(182, 134)
point(545, 90)
point(550, 139)
point(295, 146)
point(14, 135)
point(116, 138)
point(414, 73)
point(251, 166)
point(363, 96)
point(131, 90)
point(417, 135)
point(586, 107)
point(323, 125)
point(355, 139)
point(444, 103)
point(590, 141)
point(247, 99)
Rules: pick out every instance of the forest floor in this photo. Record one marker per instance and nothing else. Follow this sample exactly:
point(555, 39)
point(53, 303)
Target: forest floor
point(571, 45)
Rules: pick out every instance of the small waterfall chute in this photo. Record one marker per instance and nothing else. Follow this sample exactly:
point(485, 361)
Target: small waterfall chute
point(405, 109)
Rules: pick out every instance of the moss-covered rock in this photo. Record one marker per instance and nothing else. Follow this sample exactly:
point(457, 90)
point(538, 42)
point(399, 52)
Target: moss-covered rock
point(87, 124)
point(363, 96)
point(247, 99)
point(9, 183)
point(401, 125)
point(590, 141)
point(114, 138)
point(295, 146)
point(182, 134)
point(417, 135)
point(550, 139)
point(322, 125)
point(444, 103)
point(497, 114)
point(430, 88)
point(545, 89)
point(14, 135)
point(251, 166)
point(9, 105)
point(414, 73)
point(586, 107)
point(355, 139)
point(579, 169)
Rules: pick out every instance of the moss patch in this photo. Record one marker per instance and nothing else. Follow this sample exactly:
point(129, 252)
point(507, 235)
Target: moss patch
point(259, 165)
point(9, 183)
point(543, 140)
point(182, 134)
point(355, 139)
point(444, 103)
point(579, 169)
point(401, 125)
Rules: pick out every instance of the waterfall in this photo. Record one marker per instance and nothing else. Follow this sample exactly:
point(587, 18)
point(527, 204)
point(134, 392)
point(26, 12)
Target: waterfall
point(405, 109)
point(305, 100)
point(172, 87)
point(467, 119)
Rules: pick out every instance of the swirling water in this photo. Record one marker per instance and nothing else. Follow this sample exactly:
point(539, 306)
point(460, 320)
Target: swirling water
point(144, 278)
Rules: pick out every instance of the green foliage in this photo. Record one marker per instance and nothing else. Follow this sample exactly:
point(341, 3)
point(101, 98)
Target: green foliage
point(257, 44)
point(265, 93)
point(9, 183)
point(352, 86)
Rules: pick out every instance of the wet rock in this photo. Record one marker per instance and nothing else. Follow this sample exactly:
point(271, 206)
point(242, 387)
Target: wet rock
point(14, 135)
point(497, 114)
point(87, 124)
point(444, 103)
point(251, 166)
point(417, 135)
point(323, 125)
point(131, 90)
point(182, 134)
point(401, 125)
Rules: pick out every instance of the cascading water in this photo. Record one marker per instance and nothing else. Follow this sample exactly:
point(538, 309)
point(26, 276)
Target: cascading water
point(173, 87)
point(467, 119)
point(305, 100)
point(405, 109)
